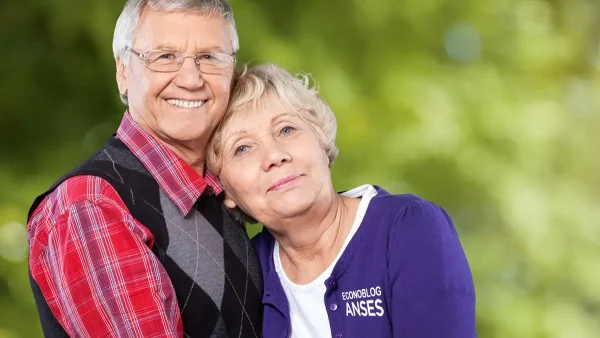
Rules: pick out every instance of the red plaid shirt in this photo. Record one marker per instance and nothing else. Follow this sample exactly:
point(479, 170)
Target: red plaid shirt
point(93, 261)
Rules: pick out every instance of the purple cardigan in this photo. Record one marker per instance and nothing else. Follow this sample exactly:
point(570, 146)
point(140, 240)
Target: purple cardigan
point(403, 274)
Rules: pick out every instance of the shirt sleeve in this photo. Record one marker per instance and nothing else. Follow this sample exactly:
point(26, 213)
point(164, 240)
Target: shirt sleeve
point(96, 269)
point(432, 287)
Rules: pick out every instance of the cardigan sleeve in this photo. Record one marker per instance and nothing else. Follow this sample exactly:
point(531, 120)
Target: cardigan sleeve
point(432, 288)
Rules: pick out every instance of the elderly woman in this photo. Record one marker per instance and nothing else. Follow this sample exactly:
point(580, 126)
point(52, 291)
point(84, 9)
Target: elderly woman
point(364, 263)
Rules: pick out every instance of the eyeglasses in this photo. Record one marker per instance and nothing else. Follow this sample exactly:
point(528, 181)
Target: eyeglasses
point(170, 61)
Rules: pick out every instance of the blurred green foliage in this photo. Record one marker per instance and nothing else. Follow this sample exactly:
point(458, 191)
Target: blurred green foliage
point(488, 108)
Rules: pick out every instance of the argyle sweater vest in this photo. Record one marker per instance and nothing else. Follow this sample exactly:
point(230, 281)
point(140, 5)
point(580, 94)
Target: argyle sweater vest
point(207, 255)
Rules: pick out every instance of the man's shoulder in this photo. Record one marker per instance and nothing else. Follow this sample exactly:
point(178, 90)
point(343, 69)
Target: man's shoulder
point(69, 192)
point(113, 168)
point(73, 196)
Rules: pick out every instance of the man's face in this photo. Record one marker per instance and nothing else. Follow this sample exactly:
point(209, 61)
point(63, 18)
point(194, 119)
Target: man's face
point(156, 98)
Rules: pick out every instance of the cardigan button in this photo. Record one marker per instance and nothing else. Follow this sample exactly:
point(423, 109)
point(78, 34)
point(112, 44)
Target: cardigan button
point(333, 306)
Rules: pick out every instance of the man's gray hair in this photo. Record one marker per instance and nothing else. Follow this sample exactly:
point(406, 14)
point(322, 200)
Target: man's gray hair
point(127, 24)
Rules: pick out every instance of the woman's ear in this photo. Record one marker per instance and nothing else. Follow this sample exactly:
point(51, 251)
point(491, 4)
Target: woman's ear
point(229, 202)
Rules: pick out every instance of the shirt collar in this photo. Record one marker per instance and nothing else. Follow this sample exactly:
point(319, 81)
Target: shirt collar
point(182, 184)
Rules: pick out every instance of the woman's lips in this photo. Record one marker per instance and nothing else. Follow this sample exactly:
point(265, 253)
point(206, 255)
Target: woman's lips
point(285, 182)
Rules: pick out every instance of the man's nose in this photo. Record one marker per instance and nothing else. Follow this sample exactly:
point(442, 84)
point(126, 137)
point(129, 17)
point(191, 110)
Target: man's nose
point(189, 76)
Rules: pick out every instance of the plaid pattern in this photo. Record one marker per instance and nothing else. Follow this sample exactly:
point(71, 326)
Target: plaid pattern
point(93, 261)
point(182, 184)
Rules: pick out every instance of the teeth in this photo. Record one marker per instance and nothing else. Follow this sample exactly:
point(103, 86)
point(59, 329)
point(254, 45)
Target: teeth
point(185, 104)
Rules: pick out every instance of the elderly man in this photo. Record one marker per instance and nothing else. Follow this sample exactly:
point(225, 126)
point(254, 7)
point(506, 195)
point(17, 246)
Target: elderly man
point(134, 242)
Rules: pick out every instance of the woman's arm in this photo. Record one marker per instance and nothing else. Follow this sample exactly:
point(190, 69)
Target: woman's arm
point(432, 287)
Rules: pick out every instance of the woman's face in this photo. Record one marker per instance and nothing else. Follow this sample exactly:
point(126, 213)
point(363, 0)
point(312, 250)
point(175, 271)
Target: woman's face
point(274, 167)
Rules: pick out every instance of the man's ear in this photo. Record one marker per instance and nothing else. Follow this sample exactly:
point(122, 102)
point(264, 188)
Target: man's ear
point(229, 202)
point(121, 76)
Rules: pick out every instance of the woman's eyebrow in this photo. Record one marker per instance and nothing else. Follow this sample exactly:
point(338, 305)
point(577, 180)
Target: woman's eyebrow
point(276, 117)
point(237, 133)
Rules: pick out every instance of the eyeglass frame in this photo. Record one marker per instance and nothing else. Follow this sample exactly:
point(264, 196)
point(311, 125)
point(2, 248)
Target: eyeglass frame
point(180, 59)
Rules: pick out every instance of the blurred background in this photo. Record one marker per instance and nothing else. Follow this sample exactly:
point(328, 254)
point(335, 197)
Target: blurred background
point(490, 109)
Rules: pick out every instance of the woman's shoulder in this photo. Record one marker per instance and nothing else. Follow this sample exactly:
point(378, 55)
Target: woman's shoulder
point(262, 238)
point(263, 243)
point(403, 202)
point(410, 211)
point(423, 245)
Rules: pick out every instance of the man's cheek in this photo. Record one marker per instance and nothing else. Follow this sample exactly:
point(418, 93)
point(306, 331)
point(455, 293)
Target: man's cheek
point(224, 86)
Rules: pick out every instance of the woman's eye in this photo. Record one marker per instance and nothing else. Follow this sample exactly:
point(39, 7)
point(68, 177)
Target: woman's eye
point(240, 150)
point(287, 130)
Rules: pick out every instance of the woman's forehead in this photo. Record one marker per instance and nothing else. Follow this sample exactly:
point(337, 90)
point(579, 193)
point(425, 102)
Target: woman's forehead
point(260, 112)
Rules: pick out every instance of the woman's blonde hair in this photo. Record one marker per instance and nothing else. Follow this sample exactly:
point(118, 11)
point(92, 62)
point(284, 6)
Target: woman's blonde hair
point(251, 88)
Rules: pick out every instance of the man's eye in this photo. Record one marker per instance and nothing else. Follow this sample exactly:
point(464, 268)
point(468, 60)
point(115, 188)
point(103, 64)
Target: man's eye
point(167, 56)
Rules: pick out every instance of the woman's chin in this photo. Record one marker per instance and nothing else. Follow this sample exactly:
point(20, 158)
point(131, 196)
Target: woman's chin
point(291, 206)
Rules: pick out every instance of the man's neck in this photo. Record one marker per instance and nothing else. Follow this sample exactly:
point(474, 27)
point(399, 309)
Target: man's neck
point(191, 152)
point(194, 155)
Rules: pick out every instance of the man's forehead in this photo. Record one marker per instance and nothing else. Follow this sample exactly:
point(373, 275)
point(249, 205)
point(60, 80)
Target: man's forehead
point(174, 29)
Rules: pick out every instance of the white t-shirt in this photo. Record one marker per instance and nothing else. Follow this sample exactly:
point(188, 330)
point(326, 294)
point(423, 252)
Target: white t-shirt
point(307, 306)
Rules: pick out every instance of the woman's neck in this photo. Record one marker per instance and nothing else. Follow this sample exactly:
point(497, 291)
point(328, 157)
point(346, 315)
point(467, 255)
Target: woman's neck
point(313, 243)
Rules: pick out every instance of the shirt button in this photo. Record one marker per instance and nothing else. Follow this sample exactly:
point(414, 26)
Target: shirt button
point(339, 335)
point(333, 306)
point(333, 284)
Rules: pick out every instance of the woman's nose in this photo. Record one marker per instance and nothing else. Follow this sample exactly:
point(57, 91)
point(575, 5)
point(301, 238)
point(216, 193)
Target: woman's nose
point(274, 155)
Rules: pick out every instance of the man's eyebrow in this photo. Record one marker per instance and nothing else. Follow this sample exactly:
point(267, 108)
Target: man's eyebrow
point(165, 46)
point(211, 49)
